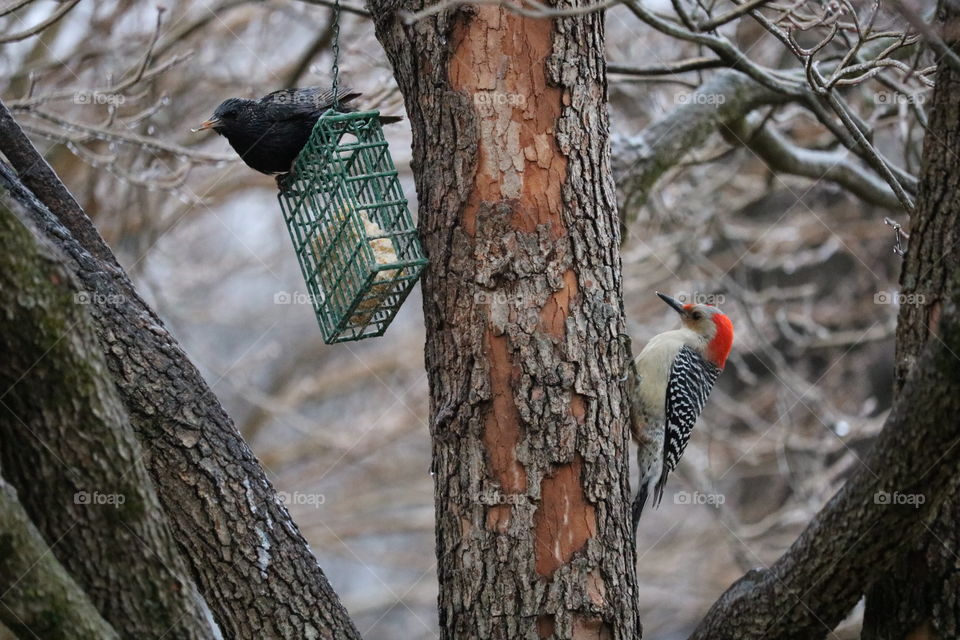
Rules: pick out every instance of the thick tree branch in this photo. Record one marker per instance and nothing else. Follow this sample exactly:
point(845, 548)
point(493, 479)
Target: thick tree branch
point(640, 161)
point(69, 448)
point(39, 178)
point(38, 598)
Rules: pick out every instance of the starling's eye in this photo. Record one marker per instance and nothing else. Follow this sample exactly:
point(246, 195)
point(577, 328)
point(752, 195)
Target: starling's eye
point(696, 315)
point(229, 115)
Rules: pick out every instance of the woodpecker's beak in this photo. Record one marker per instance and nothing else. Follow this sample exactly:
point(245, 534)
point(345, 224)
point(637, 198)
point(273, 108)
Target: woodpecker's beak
point(207, 124)
point(675, 304)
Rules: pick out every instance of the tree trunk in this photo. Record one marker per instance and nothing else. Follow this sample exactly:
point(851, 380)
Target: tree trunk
point(522, 300)
point(920, 596)
point(70, 451)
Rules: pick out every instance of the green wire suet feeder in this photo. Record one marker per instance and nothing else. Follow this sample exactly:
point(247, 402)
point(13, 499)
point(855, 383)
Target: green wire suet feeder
point(351, 228)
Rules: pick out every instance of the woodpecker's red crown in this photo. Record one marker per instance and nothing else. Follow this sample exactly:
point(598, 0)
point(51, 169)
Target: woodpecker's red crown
point(709, 322)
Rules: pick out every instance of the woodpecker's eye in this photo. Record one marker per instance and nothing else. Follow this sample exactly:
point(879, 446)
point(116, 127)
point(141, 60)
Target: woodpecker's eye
point(697, 316)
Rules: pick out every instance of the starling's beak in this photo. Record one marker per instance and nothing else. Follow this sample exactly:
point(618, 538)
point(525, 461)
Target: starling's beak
point(675, 304)
point(207, 124)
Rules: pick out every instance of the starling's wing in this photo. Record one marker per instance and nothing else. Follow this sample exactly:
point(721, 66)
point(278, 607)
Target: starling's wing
point(691, 380)
point(305, 103)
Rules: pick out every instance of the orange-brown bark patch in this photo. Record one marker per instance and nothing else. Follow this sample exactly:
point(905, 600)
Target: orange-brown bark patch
point(501, 433)
point(564, 521)
point(499, 61)
point(923, 632)
point(546, 625)
point(596, 589)
point(578, 407)
point(498, 518)
point(933, 323)
point(553, 315)
point(590, 629)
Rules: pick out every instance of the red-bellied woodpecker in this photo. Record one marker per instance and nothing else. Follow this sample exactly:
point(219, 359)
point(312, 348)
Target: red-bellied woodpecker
point(674, 375)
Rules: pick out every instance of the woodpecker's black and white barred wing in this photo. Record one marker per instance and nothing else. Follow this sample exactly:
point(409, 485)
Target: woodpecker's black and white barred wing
point(691, 379)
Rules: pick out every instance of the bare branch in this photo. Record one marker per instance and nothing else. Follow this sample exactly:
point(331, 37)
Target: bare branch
point(943, 51)
point(783, 156)
point(79, 132)
point(732, 15)
point(346, 8)
point(14, 6)
point(640, 161)
point(32, 31)
point(681, 66)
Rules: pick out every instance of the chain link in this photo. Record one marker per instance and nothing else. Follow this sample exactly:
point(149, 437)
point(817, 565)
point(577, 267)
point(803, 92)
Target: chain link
point(335, 72)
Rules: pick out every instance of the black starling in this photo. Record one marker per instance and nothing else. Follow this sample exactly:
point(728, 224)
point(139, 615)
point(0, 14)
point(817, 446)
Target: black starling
point(268, 133)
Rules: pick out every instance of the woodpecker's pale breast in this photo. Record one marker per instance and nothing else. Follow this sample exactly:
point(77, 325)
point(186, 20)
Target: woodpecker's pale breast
point(655, 362)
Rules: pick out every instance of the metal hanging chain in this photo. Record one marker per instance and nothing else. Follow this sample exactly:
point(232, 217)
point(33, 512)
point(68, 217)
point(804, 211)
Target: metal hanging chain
point(336, 54)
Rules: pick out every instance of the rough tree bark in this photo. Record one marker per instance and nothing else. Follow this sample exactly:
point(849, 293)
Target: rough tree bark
point(920, 596)
point(70, 451)
point(39, 597)
point(247, 556)
point(522, 301)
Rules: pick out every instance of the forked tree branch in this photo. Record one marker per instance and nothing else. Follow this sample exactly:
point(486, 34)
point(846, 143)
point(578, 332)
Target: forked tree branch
point(38, 595)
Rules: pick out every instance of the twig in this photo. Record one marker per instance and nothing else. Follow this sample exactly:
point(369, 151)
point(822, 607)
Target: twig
point(936, 42)
point(13, 7)
point(32, 31)
point(539, 10)
point(899, 234)
point(783, 156)
point(90, 131)
point(345, 8)
point(681, 66)
point(729, 16)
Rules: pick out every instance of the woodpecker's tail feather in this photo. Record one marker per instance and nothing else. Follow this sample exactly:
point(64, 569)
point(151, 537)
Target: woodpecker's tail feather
point(638, 501)
point(658, 490)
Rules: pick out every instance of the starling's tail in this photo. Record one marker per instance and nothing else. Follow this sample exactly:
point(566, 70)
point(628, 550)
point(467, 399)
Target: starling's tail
point(390, 119)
